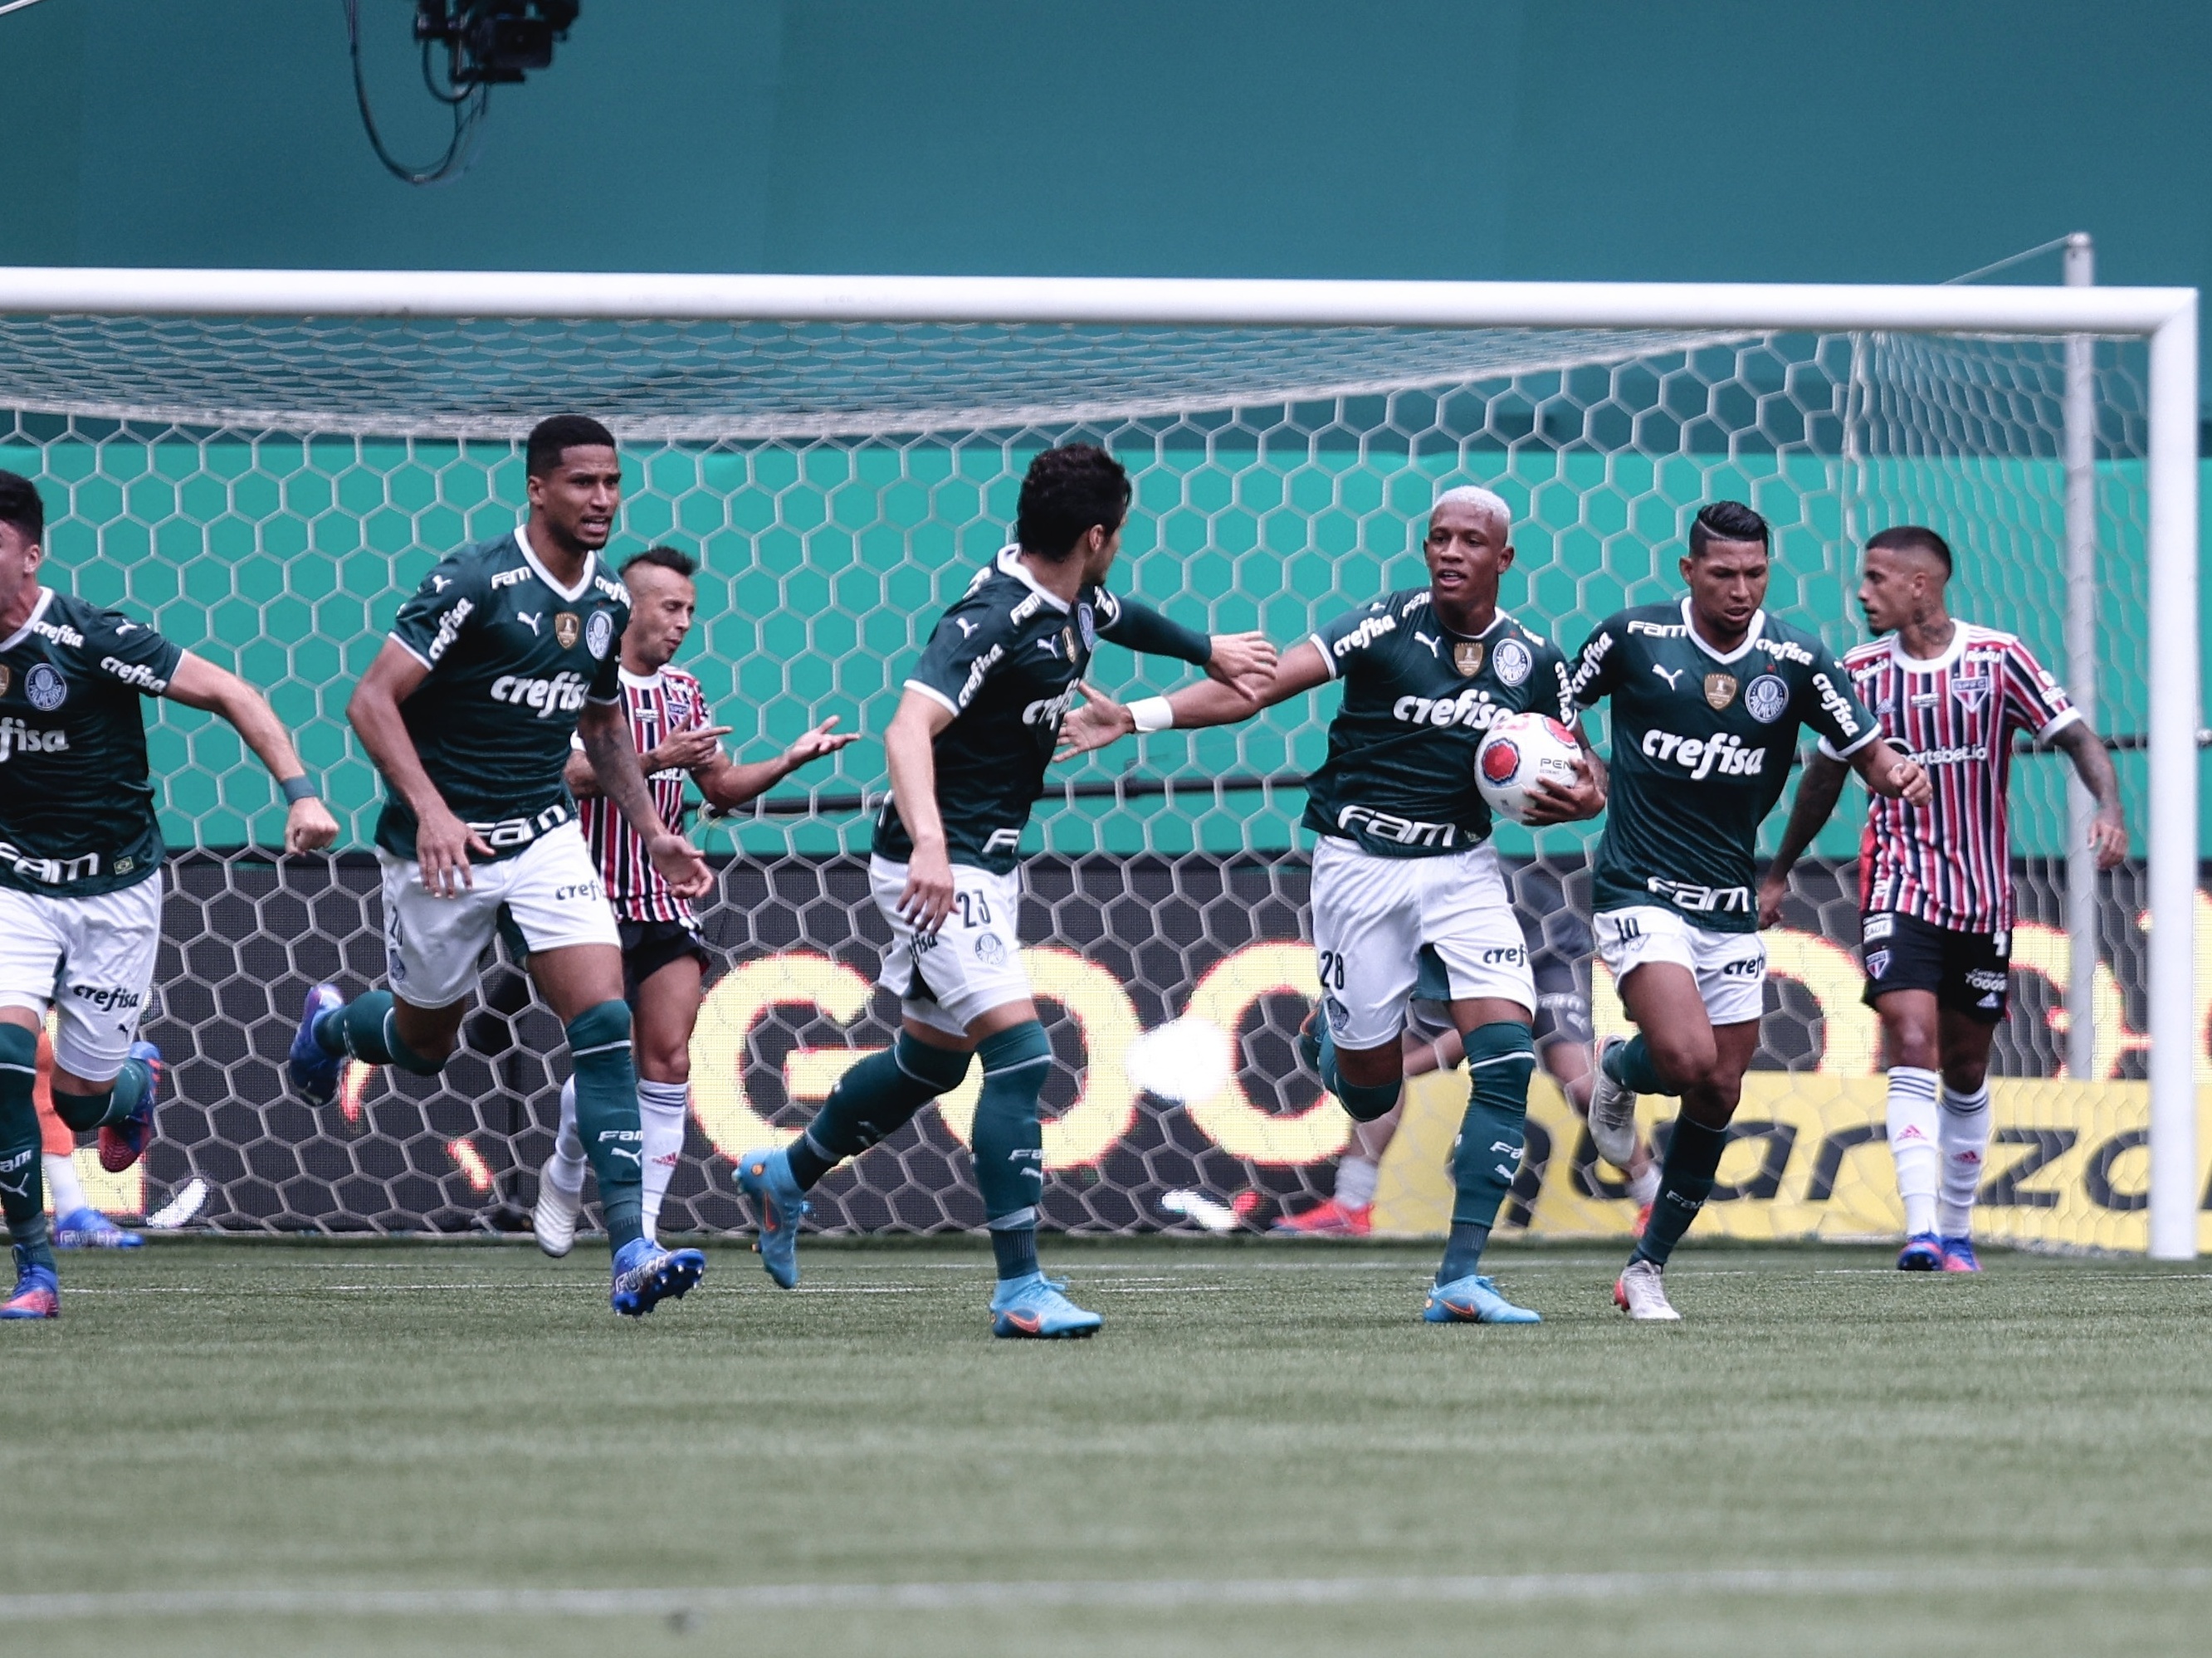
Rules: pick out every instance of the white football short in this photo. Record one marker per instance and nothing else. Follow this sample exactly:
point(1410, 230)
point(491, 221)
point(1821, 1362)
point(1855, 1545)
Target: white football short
point(1730, 968)
point(1373, 917)
point(90, 959)
point(973, 964)
point(549, 891)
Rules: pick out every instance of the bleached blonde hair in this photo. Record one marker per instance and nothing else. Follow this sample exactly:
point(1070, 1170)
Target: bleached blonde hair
point(1488, 501)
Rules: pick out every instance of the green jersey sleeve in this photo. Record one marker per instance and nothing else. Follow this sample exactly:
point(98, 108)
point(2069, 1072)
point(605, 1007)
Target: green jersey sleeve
point(130, 652)
point(448, 604)
point(970, 640)
point(1140, 628)
point(1834, 710)
point(1343, 640)
point(1597, 666)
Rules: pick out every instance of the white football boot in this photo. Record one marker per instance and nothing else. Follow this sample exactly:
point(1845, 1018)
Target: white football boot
point(554, 1220)
point(1611, 1113)
point(1640, 1293)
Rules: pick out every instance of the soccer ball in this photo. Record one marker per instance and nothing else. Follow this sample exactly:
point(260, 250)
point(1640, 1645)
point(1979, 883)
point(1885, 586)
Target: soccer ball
point(1521, 750)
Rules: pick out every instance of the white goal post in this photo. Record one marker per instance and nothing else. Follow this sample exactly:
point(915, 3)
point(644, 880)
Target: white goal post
point(2164, 318)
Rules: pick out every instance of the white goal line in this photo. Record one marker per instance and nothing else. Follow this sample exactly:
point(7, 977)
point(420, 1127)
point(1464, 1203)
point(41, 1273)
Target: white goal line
point(1149, 1594)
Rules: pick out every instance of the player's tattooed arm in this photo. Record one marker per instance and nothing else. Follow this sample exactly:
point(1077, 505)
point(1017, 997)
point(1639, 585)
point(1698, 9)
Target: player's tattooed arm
point(2108, 830)
point(604, 729)
point(1818, 791)
point(725, 785)
point(908, 747)
point(695, 749)
point(198, 683)
point(442, 840)
point(1100, 720)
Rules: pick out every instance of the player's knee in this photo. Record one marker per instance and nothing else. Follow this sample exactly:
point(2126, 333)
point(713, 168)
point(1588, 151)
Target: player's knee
point(1369, 1101)
point(1689, 1060)
point(665, 1061)
point(1966, 1073)
point(1371, 1067)
point(939, 1070)
point(600, 1035)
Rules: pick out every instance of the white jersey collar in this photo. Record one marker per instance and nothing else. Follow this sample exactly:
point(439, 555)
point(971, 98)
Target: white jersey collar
point(46, 598)
point(1010, 564)
point(583, 582)
point(1498, 618)
point(1930, 664)
point(641, 682)
point(1750, 636)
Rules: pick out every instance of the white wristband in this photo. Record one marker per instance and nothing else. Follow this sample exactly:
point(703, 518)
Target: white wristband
point(1152, 713)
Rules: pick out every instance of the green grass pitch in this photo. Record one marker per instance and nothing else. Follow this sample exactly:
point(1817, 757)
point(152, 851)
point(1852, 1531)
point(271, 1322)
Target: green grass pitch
point(1264, 1438)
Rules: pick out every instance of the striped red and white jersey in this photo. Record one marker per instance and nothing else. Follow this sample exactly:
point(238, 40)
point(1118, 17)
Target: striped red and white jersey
point(1948, 863)
point(659, 706)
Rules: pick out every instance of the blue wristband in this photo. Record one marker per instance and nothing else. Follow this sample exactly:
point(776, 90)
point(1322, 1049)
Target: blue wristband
point(299, 788)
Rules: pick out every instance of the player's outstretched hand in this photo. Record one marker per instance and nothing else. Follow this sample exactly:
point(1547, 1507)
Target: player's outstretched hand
point(2108, 837)
point(926, 898)
point(442, 845)
point(685, 750)
point(818, 744)
point(1243, 662)
point(682, 865)
point(1549, 803)
point(309, 827)
point(1772, 892)
point(1097, 720)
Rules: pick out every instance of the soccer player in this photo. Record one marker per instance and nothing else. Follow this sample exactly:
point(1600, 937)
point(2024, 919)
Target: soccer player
point(81, 863)
point(1559, 948)
point(1708, 695)
point(1935, 880)
point(1403, 872)
point(968, 749)
point(504, 653)
point(665, 957)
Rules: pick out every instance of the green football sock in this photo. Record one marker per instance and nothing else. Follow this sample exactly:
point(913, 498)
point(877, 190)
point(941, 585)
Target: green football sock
point(1686, 1181)
point(606, 1116)
point(368, 1028)
point(1630, 1065)
point(85, 1112)
point(871, 1103)
point(1008, 1138)
point(1500, 1058)
point(1368, 1102)
point(22, 1177)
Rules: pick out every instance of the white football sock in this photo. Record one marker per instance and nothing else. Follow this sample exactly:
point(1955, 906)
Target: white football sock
point(64, 1191)
point(1965, 1138)
point(564, 1169)
point(1355, 1182)
point(1645, 1188)
point(661, 1111)
point(1912, 1144)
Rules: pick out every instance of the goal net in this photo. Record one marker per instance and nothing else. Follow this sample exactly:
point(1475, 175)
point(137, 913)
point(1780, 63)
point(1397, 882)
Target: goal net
point(265, 489)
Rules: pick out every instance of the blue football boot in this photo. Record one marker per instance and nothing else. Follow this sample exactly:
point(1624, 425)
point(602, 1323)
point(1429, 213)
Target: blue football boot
point(122, 1144)
point(37, 1295)
point(1923, 1252)
point(646, 1275)
point(315, 1074)
point(1474, 1300)
point(1034, 1307)
point(765, 1177)
point(1959, 1256)
point(87, 1229)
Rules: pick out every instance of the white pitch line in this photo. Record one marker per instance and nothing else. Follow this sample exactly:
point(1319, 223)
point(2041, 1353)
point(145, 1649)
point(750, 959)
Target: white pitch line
point(1754, 1582)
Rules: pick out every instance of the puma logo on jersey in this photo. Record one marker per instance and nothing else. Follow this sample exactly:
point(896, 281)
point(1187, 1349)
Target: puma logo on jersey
point(563, 693)
point(438, 584)
point(16, 738)
point(1671, 676)
point(530, 619)
point(1702, 757)
point(967, 628)
point(1430, 643)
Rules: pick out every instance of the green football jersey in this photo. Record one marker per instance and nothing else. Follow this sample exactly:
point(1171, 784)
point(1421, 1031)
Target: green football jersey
point(1417, 701)
point(1005, 659)
point(77, 808)
point(513, 657)
point(1702, 745)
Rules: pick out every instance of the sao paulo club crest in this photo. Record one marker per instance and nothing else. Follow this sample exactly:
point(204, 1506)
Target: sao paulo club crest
point(1511, 661)
point(1767, 698)
point(598, 634)
point(1972, 690)
point(45, 687)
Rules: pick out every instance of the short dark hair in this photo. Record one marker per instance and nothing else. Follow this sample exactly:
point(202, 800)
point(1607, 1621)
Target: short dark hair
point(1067, 491)
point(554, 437)
point(20, 506)
point(1728, 520)
point(664, 558)
point(1913, 539)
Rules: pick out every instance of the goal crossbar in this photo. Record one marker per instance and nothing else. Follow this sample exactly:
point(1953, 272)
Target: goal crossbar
point(2165, 318)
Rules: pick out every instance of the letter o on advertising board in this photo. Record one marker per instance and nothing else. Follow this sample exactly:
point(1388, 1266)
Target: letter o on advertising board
point(1229, 1116)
